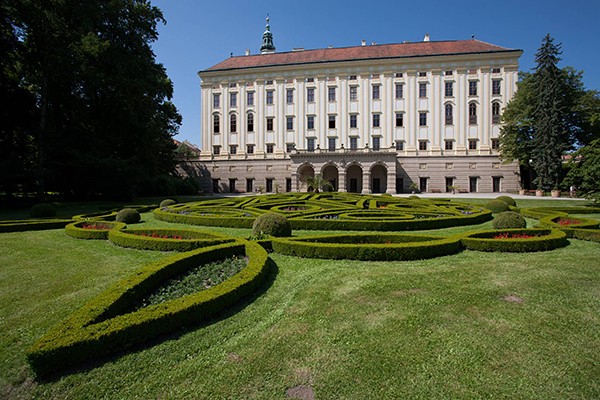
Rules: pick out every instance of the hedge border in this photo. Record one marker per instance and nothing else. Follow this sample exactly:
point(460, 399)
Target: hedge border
point(130, 238)
point(87, 335)
point(32, 225)
point(548, 239)
point(401, 247)
point(76, 231)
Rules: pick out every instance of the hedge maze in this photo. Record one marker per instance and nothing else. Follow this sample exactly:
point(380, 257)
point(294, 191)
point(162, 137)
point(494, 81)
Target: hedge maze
point(111, 322)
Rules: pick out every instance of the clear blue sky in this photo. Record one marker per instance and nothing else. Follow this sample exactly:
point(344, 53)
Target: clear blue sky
point(199, 34)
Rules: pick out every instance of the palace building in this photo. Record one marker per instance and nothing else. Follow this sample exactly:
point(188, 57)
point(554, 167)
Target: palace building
point(379, 118)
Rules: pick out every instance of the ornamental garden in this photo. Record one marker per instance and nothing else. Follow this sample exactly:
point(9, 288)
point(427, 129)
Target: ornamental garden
point(206, 271)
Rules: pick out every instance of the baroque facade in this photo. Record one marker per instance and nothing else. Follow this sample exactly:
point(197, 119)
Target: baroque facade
point(371, 118)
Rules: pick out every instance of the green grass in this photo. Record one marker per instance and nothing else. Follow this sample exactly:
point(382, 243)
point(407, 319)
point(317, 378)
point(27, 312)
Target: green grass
point(442, 328)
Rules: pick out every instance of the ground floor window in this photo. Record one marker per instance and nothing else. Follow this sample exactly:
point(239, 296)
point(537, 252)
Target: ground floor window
point(399, 185)
point(496, 183)
point(249, 185)
point(232, 185)
point(215, 186)
point(269, 184)
point(473, 183)
point(449, 184)
point(423, 184)
point(288, 184)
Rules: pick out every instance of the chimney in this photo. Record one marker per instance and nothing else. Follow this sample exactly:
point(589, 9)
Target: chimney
point(363, 42)
point(426, 38)
point(247, 52)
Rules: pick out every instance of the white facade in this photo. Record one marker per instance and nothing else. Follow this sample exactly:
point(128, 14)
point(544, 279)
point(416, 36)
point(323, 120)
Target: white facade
point(428, 111)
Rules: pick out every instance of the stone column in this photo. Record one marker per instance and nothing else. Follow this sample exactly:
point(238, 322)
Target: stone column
point(295, 179)
point(391, 183)
point(366, 182)
point(342, 181)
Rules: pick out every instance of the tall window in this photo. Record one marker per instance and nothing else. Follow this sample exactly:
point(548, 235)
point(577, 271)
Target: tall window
point(422, 90)
point(270, 147)
point(353, 93)
point(422, 145)
point(376, 94)
point(448, 144)
point(233, 149)
point(495, 87)
point(250, 122)
point(449, 114)
point(310, 144)
point(310, 122)
point(353, 143)
point(399, 90)
point(269, 97)
point(233, 123)
point(250, 98)
point(216, 150)
point(472, 113)
point(472, 144)
point(290, 147)
point(331, 94)
point(269, 123)
point(376, 143)
point(423, 119)
point(449, 89)
point(216, 100)
point(232, 100)
point(216, 123)
point(495, 144)
point(250, 148)
point(353, 120)
point(331, 144)
point(289, 96)
point(310, 94)
point(399, 119)
point(289, 123)
point(376, 120)
point(472, 88)
point(495, 112)
point(400, 145)
point(332, 122)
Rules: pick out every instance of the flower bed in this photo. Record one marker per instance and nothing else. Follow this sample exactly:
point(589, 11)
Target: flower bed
point(515, 240)
point(166, 239)
point(92, 229)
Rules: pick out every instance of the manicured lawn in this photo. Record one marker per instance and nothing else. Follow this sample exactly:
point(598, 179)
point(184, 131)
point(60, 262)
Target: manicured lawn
point(470, 325)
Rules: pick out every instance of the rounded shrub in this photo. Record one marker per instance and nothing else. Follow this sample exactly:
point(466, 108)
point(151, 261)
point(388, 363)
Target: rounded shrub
point(497, 206)
point(272, 224)
point(508, 200)
point(509, 220)
point(128, 215)
point(414, 197)
point(42, 210)
point(167, 203)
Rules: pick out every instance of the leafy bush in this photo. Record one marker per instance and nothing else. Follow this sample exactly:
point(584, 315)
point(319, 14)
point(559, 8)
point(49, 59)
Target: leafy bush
point(42, 210)
point(272, 224)
point(508, 200)
point(128, 215)
point(167, 202)
point(508, 220)
point(497, 206)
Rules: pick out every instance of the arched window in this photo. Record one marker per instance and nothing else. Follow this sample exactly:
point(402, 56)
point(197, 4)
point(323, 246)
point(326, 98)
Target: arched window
point(472, 113)
point(449, 114)
point(250, 122)
point(216, 123)
point(495, 112)
point(233, 123)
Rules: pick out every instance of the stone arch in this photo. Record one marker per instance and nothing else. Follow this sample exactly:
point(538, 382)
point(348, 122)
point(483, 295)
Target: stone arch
point(305, 171)
point(378, 178)
point(354, 178)
point(330, 173)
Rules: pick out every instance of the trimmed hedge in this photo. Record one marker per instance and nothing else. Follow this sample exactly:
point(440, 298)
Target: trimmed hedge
point(129, 216)
point(191, 239)
point(167, 202)
point(77, 231)
point(497, 206)
point(509, 220)
point(42, 210)
point(106, 324)
point(368, 247)
point(272, 224)
point(32, 225)
point(191, 219)
point(545, 239)
point(508, 200)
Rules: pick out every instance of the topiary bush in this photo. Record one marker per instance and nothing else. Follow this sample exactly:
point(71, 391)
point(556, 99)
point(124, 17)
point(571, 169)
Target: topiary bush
point(42, 210)
point(508, 200)
point(272, 224)
point(167, 203)
point(497, 206)
point(128, 215)
point(508, 220)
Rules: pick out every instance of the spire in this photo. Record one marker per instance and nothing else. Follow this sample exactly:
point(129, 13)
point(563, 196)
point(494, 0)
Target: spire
point(267, 40)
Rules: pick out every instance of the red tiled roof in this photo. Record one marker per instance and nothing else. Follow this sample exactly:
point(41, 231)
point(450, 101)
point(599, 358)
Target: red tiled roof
point(381, 51)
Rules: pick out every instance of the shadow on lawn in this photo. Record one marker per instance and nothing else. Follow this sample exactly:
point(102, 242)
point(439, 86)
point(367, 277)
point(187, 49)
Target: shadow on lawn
point(240, 306)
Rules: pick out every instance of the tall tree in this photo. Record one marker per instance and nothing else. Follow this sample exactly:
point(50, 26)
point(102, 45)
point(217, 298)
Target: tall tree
point(105, 120)
point(542, 121)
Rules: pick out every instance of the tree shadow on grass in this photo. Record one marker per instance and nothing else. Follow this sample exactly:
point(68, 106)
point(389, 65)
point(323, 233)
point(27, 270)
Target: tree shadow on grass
point(273, 271)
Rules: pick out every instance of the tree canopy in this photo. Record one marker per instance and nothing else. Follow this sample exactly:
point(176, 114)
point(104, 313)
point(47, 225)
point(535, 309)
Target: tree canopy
point(95, 112)
point(548, 116)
